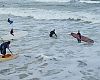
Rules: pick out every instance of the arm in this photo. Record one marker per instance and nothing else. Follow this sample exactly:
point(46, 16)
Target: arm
point(8, 46)
point(9, 49)
point(55, 34)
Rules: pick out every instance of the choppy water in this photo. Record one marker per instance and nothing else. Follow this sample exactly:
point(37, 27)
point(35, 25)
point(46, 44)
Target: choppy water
point(45, 58)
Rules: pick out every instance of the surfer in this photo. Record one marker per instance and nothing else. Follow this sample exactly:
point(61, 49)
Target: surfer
point(10, 21)
point(3, 47)
point(11, 32)
point(79, 39)
point(52, 33)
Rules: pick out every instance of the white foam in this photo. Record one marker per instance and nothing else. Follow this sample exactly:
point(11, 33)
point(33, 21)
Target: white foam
point(50, 14)
point(89, 1)
point(50, 0)
point(64, 57)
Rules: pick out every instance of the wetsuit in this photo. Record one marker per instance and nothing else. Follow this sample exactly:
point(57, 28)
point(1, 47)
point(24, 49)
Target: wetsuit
point(79, 40)
point(10, 21)
point(51, 33)
point(3, 47)
point(11, 32)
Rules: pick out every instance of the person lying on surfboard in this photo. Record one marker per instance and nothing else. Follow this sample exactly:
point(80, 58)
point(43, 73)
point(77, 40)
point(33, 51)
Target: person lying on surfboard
point(10, 21)
point(3, 47)
point(12, 32)
point(52, 33)
point(79, 34)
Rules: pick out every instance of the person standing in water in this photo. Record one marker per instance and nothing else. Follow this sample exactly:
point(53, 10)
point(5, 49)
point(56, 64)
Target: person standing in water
point(79, 35)
point(12, 32)
point(52, 33)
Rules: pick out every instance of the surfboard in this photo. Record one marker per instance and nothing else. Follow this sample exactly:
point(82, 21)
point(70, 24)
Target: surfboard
point(8, 57)
point(17, 35)
point(83, 38)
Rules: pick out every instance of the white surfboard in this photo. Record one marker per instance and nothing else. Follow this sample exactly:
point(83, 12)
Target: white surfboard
point(17, 35)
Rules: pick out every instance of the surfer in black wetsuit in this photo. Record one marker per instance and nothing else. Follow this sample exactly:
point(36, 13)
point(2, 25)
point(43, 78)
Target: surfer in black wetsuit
point(52, 33)
point(3, 47)
point(10, 21)
point(11, 32)
point(79, 34)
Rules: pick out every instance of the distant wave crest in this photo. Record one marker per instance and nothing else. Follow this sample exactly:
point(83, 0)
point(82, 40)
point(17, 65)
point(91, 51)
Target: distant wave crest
point(51, 14)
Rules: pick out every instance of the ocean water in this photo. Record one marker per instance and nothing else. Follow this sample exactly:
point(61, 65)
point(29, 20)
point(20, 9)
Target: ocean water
point(45, 58)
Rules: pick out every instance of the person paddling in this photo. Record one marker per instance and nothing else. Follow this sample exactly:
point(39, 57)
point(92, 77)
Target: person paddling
point(10, 21)
point(52, 33)
point(12, 32)
point(79, 35)
point(3, 47)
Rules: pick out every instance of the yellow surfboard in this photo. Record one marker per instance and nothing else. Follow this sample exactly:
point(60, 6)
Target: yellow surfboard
point(8, 56)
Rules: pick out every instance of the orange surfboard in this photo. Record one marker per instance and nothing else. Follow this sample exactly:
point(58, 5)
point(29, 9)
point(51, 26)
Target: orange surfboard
point(83, 38)
point(8, 56)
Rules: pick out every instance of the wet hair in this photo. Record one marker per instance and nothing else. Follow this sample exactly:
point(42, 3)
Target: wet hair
point(78, 31)
point(53, 29)
point(8, 42)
